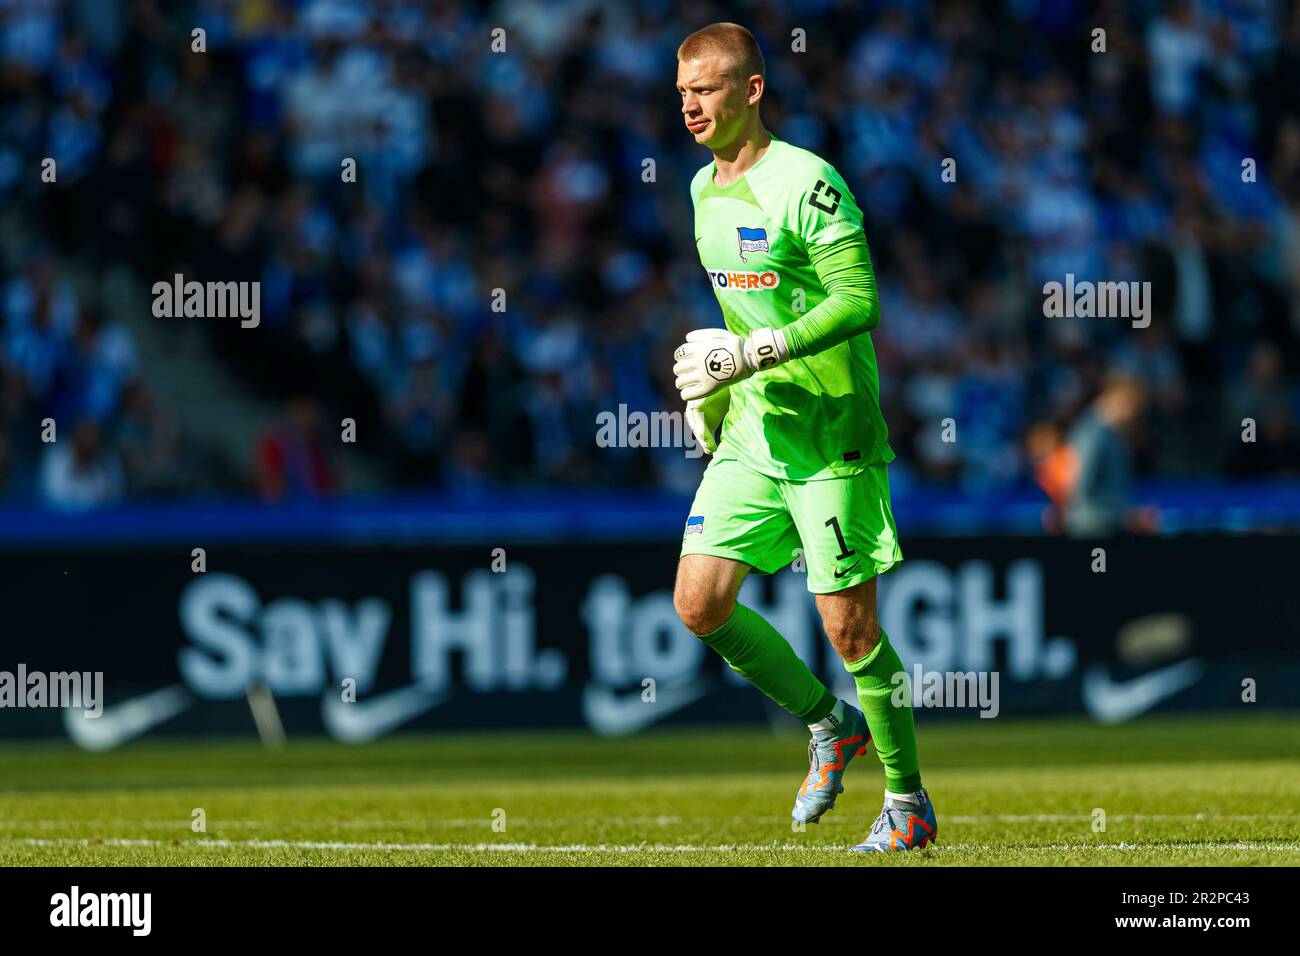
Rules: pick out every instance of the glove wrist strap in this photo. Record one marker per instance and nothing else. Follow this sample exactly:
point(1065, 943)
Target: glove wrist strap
point(765, 348)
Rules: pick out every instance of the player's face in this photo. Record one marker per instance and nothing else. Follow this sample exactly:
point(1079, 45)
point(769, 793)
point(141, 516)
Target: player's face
point(714, 104)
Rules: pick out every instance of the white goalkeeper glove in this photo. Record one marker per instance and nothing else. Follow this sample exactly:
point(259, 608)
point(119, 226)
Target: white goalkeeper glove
point(711, 359)
point(704, 415)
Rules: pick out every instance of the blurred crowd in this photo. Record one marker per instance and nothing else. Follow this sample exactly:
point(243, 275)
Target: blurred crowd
point(504, 267)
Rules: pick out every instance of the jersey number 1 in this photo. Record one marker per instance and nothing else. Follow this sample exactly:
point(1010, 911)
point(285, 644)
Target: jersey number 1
point(845, 550)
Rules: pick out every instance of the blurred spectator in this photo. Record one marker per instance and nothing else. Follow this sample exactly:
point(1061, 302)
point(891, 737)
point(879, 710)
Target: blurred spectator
point(150, 442)
point(5, 465)
point(1056, 470)
point(1179, 47)
point(80, 474)
point(1262, 399)
point(291, 458)
point(1274, 451)
point(1099, 500)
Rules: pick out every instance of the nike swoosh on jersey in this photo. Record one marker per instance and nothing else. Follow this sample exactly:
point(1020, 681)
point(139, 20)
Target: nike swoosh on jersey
point(361, 721)
point(1112, 702)
point(125, 721)
point(614, 714)
point(840, 574)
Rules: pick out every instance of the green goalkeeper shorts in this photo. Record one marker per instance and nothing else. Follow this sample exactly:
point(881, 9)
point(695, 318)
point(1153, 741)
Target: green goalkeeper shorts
point(842, 527)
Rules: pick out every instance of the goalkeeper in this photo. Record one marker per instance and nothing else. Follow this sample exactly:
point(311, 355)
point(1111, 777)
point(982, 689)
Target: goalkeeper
point(802, 458)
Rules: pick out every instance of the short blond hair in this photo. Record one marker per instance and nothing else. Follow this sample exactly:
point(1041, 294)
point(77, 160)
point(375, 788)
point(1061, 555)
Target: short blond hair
point(732, 42)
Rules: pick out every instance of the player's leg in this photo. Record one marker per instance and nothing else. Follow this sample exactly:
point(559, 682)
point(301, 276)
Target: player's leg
point(849, 618)
point(850, 621)
point(848, 532)
point(737, 522)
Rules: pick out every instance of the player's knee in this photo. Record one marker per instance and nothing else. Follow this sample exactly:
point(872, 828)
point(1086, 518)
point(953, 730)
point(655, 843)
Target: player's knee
point(702, 613)
point(853, 636)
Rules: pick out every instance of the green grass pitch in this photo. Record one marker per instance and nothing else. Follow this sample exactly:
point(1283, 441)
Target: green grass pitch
point(1175, 790)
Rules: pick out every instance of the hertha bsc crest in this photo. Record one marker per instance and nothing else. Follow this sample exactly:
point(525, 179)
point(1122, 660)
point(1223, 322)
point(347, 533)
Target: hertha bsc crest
point(751, 240)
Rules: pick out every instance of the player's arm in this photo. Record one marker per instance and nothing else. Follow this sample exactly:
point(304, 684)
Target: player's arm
point(850, 307)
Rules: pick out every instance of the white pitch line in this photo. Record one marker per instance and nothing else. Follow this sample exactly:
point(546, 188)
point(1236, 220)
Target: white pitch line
point(429, 823)
point(662, 821)
point(579, 848)
point(1128, 847)
point(1118, 817)
point(222, 844)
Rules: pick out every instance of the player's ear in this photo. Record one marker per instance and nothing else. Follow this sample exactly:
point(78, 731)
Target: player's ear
point(756, 86)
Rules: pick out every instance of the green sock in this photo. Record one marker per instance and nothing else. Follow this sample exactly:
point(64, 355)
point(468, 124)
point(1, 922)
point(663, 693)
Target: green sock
point(892, 729)
point(756, 651)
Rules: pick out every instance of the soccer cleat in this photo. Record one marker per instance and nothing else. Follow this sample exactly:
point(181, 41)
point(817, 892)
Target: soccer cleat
point(829, 753)
point(901, 826)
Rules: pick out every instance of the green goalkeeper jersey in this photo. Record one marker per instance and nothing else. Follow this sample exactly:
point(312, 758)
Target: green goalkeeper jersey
point(780, 242)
